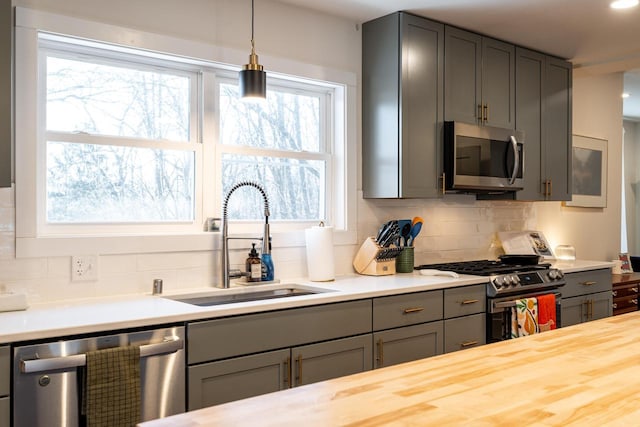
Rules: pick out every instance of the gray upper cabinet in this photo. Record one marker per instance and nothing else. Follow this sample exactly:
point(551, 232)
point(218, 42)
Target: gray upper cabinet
point(557, 147)
point(402, 106)
point(543, 112)
point(479, 79)
point(6, 61)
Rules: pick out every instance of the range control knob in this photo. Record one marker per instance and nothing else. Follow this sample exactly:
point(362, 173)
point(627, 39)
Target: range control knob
point(555, 274)
point(499, 282)
point(515, 280)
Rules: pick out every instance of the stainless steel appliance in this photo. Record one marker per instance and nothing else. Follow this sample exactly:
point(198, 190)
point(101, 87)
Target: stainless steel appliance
point(506, 284)
point(47, 387)
point(482, 158)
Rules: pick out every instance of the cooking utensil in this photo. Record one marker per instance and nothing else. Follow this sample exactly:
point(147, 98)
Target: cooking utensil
point(416, 226)
point(405, 231)
point(525, 259)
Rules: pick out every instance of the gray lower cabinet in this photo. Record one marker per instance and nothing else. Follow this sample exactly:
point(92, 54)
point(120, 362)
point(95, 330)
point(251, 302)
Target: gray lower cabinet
point(241, 377)
point(248, 355)
point(586, 296)
point(479, 79)
point(465, 332)
point(586, 308)
point(402, 106)
point(5, 387)
point(408, 343)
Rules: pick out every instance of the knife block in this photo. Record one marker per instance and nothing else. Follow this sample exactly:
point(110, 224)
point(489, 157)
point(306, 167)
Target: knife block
point(374, 260)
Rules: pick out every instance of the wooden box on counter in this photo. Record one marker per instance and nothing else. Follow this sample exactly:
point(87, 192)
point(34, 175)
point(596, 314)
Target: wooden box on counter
point(625, 292)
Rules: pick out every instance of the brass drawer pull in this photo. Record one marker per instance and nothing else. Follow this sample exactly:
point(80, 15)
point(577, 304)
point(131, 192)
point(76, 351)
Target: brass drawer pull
point(299, 360)
point(589, 283)
point(380, 345)
point(468, 344)
point(469, 301)
point(635, 301)
point(615, 305)
point(634, 290)
point(413, 310)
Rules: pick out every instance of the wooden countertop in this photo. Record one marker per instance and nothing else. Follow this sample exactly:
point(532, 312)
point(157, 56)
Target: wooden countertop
point(587, 374)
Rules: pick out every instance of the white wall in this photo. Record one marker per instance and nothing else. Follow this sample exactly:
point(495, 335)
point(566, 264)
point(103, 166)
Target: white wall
point(456, 227)
point(595, 232)
point(632, 184)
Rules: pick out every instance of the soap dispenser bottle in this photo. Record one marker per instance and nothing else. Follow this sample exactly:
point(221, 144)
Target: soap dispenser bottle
point(267, 262)
point(254, 265)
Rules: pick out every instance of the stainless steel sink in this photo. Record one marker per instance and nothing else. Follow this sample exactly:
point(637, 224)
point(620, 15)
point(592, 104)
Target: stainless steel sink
point(223, 297)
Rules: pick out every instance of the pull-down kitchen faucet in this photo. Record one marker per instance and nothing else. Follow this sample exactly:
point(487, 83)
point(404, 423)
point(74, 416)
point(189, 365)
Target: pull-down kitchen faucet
point(225, 231)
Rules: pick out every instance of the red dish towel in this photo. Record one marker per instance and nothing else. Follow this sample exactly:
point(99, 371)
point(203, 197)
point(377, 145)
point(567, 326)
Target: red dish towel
point(546, 312)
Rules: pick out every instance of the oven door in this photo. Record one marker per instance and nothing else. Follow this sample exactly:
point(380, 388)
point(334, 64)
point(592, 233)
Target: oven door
point(483, 158)
point(499, 314)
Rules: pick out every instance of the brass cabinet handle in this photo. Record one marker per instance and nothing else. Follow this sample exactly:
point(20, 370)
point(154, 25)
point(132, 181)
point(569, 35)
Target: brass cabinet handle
point(485, 112)
point(413, 310)
point(468, 344)
point(588, 283)
point(591, 309)
point(469, 301)
point(614, 293)
point(299, 362)
point(550, 187)
point(287, 372)
point(380, 346)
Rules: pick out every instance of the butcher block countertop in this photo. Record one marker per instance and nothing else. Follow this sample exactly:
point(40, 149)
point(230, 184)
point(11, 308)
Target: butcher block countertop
point(582, 375)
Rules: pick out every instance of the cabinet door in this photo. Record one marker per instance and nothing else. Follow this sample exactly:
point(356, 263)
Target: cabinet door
point(462, 75)
point(498, 83)
point(573, 311)
point(332, 359)
point(422, 106)
point(557, 147)
point(529, 118)
point(601, 305)
point(409, 343)
point(5, 366)
point(238, 378)
point(465, 332)
point(4, 412)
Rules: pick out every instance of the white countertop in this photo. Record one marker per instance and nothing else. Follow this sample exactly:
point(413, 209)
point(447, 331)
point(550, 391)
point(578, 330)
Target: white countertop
point(48, 320)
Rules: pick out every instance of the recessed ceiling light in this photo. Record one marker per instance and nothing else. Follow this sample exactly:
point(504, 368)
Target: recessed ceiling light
point(625, 95)
point(623, 4)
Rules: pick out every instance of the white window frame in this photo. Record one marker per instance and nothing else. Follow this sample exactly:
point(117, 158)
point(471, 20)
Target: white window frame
point(30, 241)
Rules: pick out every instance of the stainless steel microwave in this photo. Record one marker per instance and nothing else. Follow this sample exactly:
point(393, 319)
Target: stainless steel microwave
point(482, 158)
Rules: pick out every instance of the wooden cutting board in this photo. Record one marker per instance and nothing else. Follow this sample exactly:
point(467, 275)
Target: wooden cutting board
point(582, 375)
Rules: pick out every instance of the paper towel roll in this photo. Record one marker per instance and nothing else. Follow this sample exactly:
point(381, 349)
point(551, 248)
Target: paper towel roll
point(320, 253)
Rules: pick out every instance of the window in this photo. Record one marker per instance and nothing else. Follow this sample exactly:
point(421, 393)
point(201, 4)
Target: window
point(132, 144)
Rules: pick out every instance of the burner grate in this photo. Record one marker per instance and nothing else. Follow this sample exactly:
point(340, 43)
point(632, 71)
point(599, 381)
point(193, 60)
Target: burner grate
point(483, 267)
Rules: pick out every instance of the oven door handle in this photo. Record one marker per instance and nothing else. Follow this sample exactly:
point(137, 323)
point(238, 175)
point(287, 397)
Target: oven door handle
point(169, 345)
point(516, 160)
point(499, 306)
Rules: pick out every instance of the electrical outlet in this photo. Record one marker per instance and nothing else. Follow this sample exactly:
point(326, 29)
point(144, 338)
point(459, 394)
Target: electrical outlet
point(84, 268)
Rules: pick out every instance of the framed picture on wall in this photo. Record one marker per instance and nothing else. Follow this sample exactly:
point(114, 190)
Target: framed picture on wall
point(589, 172)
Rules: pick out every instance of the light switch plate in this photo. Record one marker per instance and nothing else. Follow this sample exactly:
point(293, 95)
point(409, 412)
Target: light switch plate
point(84, 268)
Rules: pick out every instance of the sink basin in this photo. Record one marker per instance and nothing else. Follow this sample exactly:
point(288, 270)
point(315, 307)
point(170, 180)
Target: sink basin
point(223, 297)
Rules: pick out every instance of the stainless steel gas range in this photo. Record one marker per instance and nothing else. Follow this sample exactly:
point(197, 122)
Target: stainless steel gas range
point(506, 284)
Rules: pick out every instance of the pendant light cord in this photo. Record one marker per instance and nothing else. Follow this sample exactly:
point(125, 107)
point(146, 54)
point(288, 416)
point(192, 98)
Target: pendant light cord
point(252, 43)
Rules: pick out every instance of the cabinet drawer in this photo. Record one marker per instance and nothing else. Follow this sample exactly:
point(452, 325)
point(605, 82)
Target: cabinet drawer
point(235, 336)
point(624, 303)
point(620, 291)
point(464, 332)
point(406, 309)
point(465, 300)
point(586, 282)
point(4, 370)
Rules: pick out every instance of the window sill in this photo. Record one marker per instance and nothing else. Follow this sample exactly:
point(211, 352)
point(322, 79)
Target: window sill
point(28, 247)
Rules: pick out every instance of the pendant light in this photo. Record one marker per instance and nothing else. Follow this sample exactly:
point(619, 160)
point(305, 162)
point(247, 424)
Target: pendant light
point(253, 79)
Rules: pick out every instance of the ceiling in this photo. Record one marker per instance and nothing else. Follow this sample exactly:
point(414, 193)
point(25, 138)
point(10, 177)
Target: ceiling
point(594, 37)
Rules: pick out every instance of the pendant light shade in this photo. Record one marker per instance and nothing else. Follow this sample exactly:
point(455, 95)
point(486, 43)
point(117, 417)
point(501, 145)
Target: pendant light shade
point(253, 79)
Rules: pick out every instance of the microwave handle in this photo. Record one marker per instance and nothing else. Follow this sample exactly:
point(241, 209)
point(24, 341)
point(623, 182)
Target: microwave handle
point(516, 160)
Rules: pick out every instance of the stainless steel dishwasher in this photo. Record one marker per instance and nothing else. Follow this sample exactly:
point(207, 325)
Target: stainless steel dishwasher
point(47, 387)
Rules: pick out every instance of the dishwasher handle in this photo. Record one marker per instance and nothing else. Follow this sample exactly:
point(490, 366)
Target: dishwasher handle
point(169, 345)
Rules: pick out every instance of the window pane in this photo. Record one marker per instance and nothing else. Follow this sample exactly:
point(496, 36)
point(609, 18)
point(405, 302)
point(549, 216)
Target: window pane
point(286, 121)
point(100, 183)
point(114, 100)
point(294, 187)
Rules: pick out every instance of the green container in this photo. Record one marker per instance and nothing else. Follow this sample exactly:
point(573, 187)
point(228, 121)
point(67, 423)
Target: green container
point(404, 261)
